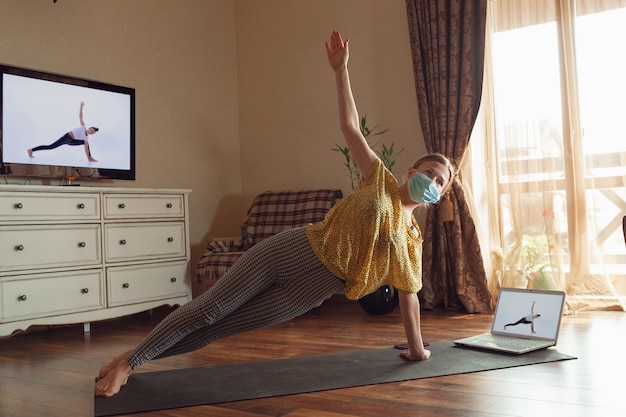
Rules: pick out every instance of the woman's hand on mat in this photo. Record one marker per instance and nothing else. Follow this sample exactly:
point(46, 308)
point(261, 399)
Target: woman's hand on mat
point(411, 356)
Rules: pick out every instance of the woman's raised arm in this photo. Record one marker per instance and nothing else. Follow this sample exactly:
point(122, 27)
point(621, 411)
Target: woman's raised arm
point(338, 54)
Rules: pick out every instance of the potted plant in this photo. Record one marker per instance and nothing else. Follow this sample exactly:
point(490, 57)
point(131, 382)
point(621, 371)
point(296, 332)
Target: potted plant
point(387, 154)
point(528, 265)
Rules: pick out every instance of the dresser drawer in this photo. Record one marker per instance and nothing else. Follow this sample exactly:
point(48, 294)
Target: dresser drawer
point(133, 241)
point(149, 206)
point(16, 206)
point(132, 284)
point(37, 295)
point(31, 247)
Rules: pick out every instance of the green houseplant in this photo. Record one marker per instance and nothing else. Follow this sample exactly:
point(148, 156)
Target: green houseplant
point(387, 154)
point(527, 265)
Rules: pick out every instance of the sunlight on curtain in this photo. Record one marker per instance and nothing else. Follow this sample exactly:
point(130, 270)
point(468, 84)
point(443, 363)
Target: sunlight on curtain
point(554, 158)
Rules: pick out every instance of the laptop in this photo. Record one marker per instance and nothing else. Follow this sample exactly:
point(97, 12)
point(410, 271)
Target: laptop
point(525, 320)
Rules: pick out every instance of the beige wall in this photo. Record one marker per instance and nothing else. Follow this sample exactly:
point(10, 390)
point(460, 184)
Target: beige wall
point(180, 56)
point(234, 97)
point(287, 108)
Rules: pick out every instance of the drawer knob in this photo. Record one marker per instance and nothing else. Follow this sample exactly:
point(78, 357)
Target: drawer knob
point(19, 248)
point(170, 239)
point(121, 205)
point(173, 279)
point(123, 242)
point(22, 297)
point(84, 291)
point(81, 206)
point(18, 206)
point(125, 285)
point(169, 205)
point(81, 244)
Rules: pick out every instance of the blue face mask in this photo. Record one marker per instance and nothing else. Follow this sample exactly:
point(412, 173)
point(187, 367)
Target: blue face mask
point(422, 189)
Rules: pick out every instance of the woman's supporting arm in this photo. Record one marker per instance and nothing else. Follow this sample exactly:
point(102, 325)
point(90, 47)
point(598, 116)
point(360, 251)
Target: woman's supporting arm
point(410, 310)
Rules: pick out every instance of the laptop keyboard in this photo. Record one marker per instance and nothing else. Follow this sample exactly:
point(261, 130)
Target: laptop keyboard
point(512, 341)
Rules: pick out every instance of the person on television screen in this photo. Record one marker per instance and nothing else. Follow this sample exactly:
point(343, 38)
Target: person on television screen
point(367, 240)
point(74, 137)
point(528, 319)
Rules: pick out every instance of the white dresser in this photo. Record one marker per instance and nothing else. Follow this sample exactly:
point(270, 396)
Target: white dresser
point(82, 254)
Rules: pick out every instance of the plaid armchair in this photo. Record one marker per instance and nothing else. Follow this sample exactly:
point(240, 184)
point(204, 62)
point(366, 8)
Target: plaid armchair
point(270, 213)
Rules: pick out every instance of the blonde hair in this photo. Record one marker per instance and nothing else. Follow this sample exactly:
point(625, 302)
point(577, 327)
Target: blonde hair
point(442, 159)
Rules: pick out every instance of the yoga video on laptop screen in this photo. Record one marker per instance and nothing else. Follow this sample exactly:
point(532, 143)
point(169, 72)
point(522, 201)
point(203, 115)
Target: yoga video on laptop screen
point(535, 314)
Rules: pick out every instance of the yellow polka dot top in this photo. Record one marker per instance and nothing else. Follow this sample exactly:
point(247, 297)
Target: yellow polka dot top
point(365, 239)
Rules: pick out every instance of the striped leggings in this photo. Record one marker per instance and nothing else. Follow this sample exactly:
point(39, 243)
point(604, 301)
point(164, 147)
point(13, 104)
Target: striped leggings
point(274, 281)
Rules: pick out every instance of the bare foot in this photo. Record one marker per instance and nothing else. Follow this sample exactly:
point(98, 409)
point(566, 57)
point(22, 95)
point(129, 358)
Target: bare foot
point(30, 153)
point(113, 364)
point(113, 381)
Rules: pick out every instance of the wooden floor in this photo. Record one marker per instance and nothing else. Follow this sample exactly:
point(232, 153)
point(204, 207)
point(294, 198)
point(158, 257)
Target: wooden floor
point(51, 372)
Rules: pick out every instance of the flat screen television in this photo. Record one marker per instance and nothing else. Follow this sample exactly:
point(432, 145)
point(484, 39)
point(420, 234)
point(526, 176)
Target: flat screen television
point(43, 120)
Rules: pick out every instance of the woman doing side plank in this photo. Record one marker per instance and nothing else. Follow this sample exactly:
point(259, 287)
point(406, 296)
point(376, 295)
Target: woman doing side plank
point(367, 240)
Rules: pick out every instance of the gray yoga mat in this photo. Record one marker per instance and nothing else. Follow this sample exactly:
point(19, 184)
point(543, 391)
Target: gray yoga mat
point(224, 383)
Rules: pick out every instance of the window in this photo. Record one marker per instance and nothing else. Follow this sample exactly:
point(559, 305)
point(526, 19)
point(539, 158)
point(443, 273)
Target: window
point(555, 103)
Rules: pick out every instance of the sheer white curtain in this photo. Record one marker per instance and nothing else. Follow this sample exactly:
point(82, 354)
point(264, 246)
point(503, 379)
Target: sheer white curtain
point(547, 163)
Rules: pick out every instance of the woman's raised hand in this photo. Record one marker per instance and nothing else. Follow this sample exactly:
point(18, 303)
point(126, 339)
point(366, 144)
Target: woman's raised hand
point(337, 51)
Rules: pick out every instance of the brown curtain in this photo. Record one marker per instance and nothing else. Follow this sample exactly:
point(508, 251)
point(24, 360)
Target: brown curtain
point(448, 43)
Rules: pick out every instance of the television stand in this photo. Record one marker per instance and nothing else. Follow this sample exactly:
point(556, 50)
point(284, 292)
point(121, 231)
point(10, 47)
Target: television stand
point(82, 254)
